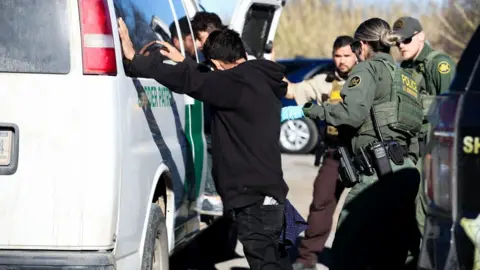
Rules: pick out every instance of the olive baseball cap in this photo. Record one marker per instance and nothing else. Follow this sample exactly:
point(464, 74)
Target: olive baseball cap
point(407, 27)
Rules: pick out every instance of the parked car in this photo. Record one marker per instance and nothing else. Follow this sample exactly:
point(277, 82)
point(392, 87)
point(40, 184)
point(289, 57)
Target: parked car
point(98, 168)
point(451, 170)
point(300, 136)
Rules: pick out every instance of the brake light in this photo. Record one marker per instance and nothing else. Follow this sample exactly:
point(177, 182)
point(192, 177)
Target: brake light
point(98, 50)
point(440, 162)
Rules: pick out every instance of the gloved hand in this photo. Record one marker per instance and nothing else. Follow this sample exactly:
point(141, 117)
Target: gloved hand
point(292, 112)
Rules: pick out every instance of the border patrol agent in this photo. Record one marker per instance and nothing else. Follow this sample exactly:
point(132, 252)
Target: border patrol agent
point(382, 108)
point(433, 71)
point(324, 88)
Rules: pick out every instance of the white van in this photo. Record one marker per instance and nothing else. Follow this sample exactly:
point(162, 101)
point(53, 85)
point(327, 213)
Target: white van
point(99, 170)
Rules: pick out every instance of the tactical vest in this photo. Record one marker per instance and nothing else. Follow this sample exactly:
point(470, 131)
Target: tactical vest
point(334, 98)
point(403, 113)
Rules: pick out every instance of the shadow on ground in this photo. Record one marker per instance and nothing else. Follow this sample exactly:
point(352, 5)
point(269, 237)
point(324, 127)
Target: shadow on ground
point(324, 257)
point(214, 245)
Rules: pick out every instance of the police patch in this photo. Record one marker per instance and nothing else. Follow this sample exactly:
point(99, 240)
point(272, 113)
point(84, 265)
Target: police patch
point(398, 24)
point(354, 82)
point(443, 67)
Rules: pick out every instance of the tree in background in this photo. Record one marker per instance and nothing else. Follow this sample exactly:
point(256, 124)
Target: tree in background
point(309, 27)
point(459, 21)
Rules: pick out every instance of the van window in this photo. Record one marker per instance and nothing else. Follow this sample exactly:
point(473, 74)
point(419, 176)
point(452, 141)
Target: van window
point(475, 54)
point(257, 27)
point(34, 36)
point(146, 20)
point(179, 10)
point(475, 85)
point(189, 41)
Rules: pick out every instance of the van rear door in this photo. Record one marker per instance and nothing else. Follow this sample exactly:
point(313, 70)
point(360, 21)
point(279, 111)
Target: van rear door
point(59, 194)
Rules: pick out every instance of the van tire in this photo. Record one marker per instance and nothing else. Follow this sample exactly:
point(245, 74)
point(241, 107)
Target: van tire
point(155, 250)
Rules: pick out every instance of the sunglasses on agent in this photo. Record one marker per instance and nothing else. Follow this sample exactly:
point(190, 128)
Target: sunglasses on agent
point(406, 41)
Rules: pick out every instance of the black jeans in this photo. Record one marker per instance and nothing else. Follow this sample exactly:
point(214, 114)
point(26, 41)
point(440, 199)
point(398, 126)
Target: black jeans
point(259, 227)
point(210, 188)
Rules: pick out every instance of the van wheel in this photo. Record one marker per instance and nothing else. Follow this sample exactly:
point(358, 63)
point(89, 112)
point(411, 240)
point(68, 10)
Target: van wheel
point(155, 251)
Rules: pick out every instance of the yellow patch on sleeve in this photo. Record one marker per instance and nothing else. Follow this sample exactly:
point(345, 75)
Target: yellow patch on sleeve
point(443, 67)
point(355, 81)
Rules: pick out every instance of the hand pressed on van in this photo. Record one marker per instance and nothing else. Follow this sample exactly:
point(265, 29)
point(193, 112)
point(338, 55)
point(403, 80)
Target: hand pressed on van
point(127, 45)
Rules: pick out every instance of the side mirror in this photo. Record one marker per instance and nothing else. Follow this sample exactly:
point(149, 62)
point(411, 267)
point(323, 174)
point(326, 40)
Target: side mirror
point(160, 29)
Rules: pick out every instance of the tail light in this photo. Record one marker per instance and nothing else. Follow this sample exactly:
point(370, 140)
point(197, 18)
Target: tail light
point(440, 161)
point(98, 50)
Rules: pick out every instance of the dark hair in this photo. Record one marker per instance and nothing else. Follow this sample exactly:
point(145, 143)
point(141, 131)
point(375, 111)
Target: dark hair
point(342, 41)
point(206, 22)
point(184, 27)
point(378, 34)
point(224, 45)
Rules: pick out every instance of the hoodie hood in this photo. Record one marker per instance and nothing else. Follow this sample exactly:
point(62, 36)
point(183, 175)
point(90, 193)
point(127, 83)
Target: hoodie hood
point(273, 72)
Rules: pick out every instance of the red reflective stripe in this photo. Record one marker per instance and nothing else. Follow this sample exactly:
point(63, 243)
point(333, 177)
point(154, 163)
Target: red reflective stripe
point(95, 18)
point(98, 50)
point(99, 61)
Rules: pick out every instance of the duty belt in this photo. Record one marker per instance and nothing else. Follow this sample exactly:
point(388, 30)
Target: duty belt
point(403, 148)
point(363, 160)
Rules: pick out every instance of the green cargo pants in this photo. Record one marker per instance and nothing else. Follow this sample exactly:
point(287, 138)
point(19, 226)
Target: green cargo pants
point(377, 227)
point(421, 200)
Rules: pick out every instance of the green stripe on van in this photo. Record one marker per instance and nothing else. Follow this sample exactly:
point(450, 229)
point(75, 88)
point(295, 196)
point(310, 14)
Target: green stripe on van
point(195, 135)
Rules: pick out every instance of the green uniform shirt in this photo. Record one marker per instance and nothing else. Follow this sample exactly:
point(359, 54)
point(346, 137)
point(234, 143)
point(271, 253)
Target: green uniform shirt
point(439, 73)
point(369, 83)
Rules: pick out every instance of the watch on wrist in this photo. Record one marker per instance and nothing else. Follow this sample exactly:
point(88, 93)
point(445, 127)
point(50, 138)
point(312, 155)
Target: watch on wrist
point(307, 107)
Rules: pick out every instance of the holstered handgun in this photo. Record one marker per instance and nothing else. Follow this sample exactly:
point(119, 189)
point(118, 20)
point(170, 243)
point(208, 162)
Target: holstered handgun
point(348, 173)
point(363, 164)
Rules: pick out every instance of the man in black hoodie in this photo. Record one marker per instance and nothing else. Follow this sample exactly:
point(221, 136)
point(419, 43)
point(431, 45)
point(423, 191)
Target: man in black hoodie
point(246, 156)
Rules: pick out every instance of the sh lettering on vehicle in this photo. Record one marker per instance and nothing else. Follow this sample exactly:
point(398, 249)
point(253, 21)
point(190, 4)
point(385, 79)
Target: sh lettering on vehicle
point(471, 145)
